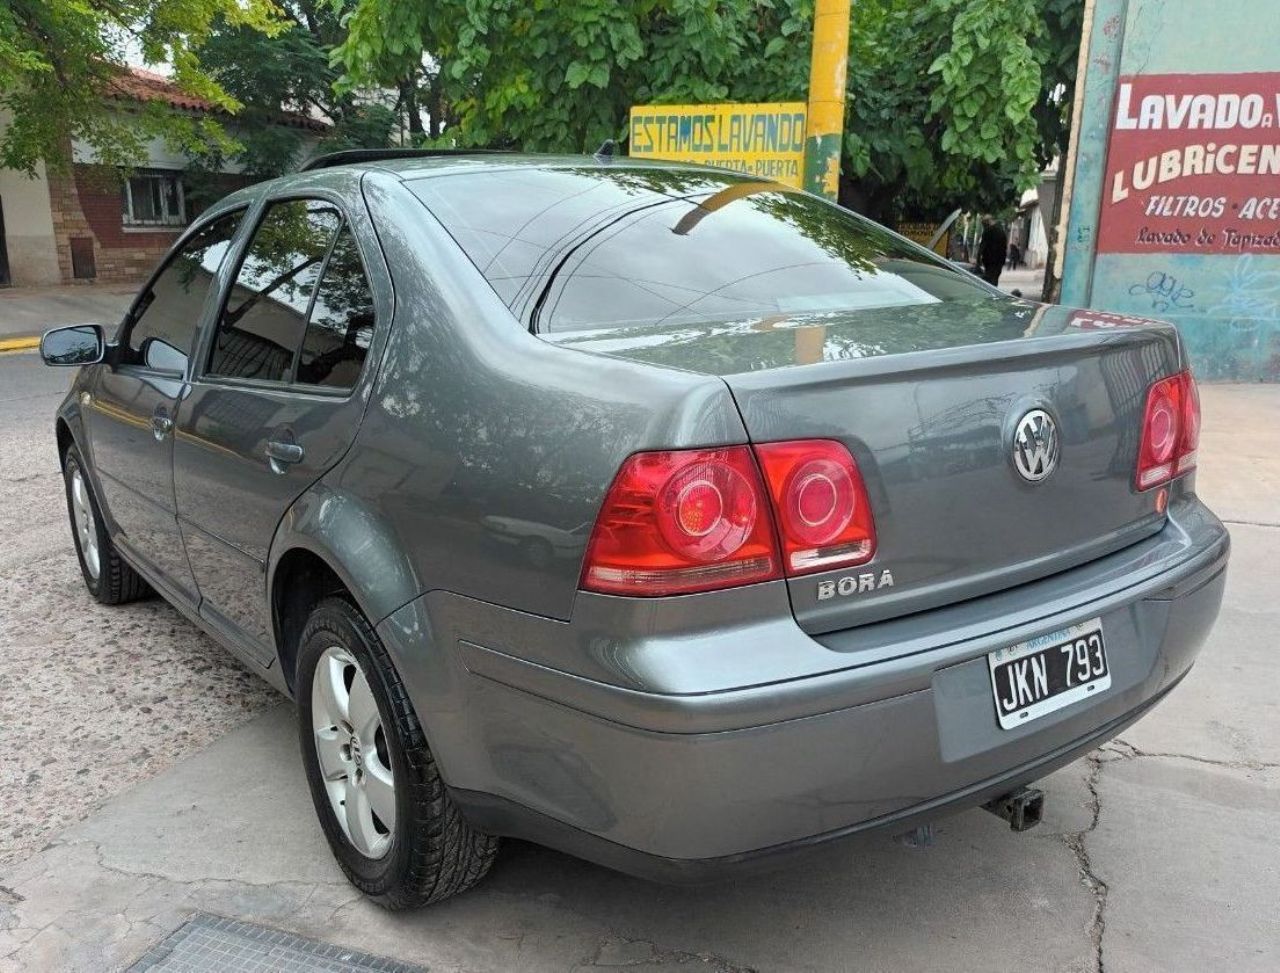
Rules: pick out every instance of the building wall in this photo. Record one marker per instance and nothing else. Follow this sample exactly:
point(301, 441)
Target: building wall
point(48, 215)
point(1037, 247)
point(87, 204)
point(28, 226)
point(1135, 248)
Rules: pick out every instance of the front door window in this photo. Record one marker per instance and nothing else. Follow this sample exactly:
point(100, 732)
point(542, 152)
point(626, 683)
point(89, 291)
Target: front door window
point(162, 327)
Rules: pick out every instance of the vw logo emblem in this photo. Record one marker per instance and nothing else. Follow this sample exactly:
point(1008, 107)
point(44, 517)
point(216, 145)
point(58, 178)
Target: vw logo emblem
point(1036, 446)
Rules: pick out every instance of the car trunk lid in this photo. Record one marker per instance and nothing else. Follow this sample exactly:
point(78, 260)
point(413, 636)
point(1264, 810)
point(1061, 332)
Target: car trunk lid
point(927, 400)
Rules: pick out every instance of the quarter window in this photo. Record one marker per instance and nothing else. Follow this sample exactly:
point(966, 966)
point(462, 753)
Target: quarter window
point(264, 316)
point(154, 199)
point(164, 319)
point(341, 324)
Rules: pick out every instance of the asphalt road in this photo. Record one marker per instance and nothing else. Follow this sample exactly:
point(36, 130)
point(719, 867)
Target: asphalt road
point(1158, 852)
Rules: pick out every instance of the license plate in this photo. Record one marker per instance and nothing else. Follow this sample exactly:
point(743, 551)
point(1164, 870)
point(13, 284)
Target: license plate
point(1047, 673)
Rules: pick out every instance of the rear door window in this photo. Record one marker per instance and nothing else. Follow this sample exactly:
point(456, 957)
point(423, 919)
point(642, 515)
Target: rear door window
point(167, 313)
point(340, 327)
point(265, 313)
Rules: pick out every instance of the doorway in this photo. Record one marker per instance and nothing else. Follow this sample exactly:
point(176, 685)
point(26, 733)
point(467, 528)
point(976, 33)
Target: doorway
point(4, 250)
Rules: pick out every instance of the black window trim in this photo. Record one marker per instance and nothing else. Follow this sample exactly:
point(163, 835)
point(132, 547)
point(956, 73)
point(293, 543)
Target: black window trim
point(344, 224)
point(291, 386)
point(124, 331)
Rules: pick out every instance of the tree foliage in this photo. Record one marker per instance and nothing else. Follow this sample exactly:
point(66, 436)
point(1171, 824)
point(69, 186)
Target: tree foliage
point(956, 102)
point(59, 57)
point(287, 71)
point(950, 102)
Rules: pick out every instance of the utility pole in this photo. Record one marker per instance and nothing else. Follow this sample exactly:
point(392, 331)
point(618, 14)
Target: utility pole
point(827, 71)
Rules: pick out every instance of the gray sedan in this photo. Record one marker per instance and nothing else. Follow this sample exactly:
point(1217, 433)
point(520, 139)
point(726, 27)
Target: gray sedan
point(678, 520)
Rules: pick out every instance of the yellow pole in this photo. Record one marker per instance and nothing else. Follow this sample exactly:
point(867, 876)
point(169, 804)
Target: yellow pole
point(827, 71)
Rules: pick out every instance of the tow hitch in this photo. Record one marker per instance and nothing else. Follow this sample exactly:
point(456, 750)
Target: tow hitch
point(1022, 808)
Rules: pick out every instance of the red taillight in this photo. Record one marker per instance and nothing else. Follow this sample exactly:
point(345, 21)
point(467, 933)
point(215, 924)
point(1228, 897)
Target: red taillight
point(1190, 425)
point(824, 515)
point(1170, 431)
point(681, 521)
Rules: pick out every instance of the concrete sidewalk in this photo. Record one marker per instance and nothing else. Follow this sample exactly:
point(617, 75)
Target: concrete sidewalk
point(1157, 853)
point(28, 311)
point(1029, 282)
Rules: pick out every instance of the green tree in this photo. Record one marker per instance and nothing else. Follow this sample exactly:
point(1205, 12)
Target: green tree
point(58, 58)
point(271, 74)
point(970, 116)
point(951, 102)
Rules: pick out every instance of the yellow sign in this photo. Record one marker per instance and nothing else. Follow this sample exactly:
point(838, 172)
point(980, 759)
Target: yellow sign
point(765, 141)
point(922, 233)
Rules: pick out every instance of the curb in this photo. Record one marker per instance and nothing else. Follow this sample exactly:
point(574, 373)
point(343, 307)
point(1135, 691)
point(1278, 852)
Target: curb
point(22, 343)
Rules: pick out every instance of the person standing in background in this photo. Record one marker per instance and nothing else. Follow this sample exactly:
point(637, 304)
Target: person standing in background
point(993, 250)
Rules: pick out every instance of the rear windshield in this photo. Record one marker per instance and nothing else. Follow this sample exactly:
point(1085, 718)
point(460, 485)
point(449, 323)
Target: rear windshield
point(577, 249)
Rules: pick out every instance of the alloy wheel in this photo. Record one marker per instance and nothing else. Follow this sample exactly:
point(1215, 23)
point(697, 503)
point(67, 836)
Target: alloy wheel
point(351, 746)
point(86, 525)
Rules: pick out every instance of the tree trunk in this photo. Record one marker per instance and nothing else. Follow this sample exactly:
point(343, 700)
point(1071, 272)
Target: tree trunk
point(872, 201)
point(435, 106)
point(409, 102)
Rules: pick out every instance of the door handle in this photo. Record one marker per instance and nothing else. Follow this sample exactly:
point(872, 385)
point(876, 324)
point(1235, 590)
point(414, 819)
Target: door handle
point(281, 454)
point(161, 425)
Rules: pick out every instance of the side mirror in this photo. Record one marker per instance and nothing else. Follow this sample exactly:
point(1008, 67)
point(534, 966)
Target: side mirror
point(161, 355)
point(1016, 292)
point(80, 344)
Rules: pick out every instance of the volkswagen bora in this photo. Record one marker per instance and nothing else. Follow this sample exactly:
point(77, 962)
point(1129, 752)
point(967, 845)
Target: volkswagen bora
point(670, 518)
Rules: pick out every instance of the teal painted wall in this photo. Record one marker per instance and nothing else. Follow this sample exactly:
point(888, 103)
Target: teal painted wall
point(1226, 305)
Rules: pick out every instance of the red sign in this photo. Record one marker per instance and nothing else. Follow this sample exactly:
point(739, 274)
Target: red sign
point(1102, 320)
point(1193, 165)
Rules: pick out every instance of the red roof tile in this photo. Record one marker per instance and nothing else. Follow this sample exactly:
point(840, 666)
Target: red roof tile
point(140, 85)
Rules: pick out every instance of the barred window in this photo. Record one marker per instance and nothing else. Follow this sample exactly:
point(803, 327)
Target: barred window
point(154, 198)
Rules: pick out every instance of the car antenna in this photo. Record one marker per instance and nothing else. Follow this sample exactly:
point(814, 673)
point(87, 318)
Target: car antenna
point(608, 149)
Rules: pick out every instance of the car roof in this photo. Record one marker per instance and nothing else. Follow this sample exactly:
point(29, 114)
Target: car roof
point(410, 168)
point(416, 167)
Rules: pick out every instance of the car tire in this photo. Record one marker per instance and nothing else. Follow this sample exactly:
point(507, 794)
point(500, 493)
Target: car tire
point(428, 852)
point(106, 574)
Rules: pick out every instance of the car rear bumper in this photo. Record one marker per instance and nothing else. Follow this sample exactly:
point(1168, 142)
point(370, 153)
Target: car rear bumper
point(681, 785)
point(497, 815)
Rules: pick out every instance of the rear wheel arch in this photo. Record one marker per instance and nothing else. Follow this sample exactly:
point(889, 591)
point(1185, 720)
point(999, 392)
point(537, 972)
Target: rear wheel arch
point(301, 580)
point(307, 563)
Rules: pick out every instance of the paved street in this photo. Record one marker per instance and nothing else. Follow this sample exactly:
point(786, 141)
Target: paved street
point(147, 777)
point(94, 699)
